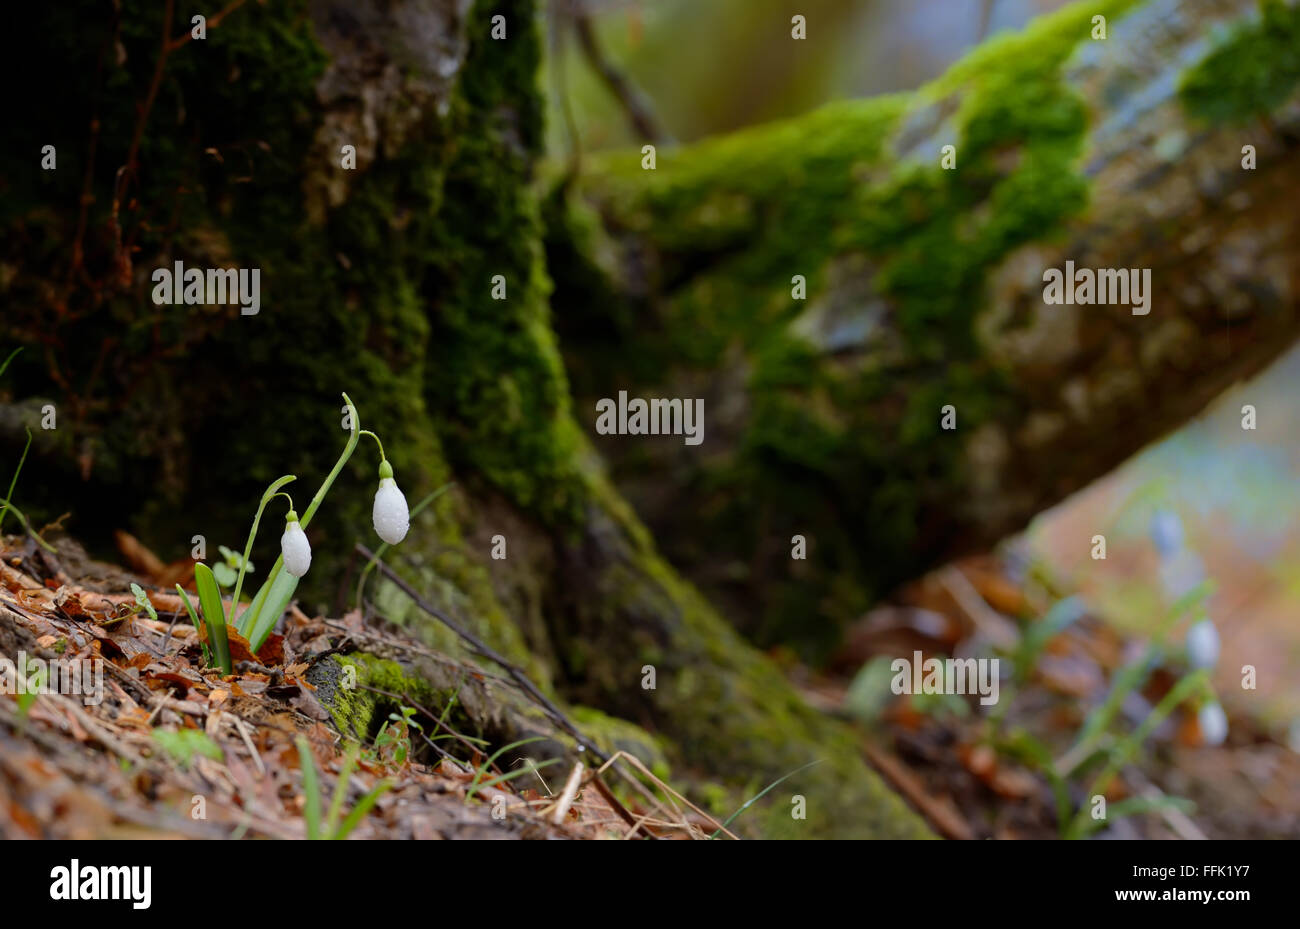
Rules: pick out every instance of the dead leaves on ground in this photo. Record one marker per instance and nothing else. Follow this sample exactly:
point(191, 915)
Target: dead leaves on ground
point(176, 749)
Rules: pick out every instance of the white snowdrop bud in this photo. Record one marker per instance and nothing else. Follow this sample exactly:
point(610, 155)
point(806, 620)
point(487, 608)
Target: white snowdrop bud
point(294, 547)
point(391, 517)
point(1213, 723)
point(1167, 532)
point(1203, 644)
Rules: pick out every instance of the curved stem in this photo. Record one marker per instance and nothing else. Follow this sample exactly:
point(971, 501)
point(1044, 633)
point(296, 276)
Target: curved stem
point(271, 493)
point(382, 456)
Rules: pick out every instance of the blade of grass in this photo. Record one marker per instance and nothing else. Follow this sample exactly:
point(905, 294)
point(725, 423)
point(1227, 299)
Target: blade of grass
point(27, 525)
point(340, 790)
point(1134, 674)
point(501, 778)
point(310, 789)
point(1132, 806)
point(9, 359)
point(482, 769)
point(758, 796)
point(10, 495)
point(360, 810)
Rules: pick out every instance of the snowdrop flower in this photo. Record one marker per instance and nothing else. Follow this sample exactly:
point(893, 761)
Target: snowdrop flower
point(1166, 532)
point(1213, 724)
point(391, 517)
point(1203, 644)
point(294, 547)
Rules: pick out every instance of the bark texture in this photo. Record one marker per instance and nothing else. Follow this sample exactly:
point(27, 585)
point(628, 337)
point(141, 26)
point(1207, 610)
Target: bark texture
point(226, 152)
point(924, 288)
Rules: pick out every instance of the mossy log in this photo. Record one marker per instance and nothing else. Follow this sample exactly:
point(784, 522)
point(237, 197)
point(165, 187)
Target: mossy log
point(227, 151)
point(825, 416)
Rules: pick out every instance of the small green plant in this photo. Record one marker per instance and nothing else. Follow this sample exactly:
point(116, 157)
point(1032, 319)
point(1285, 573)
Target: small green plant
point(187, 744)
point(142, 602)
point(330, 827)
point(394, 736)
point(227, 570)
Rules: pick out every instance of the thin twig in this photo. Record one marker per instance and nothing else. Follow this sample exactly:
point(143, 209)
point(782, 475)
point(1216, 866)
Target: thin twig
point(487, 652)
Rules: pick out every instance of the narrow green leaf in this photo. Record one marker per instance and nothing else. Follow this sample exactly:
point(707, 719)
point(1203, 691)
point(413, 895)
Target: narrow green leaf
point(194, 618)
point(310, 789)
point(340, 791)
point(482, 769)
point(361, 809)
point(277, 600)
point(758, 796)
point(9, 359)
point(10, 495)
point(213, 615)
point(510, 776)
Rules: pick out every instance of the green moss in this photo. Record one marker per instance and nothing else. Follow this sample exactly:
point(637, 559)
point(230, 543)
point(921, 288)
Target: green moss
point(849, 454)
point(1251, 71)
point(348, 686)
point(495, 380)
point(733, 715)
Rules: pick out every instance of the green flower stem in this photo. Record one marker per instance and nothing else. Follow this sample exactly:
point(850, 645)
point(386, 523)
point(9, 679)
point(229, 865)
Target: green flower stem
point(382, 456)
point(271, 493)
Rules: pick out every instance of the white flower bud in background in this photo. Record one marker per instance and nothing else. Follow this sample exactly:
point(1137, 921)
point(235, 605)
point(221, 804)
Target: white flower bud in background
point(1213, 724)
point(391, 517)
point(294, 547)
point(1167, 532)
point(1203, 645)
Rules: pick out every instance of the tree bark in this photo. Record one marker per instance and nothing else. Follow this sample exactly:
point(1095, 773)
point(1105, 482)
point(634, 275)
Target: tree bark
point(925, 288)
point(377, 281)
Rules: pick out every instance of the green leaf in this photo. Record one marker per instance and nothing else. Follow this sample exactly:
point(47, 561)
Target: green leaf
point(213, 615)
point(277, 601)
point(224, 574)
point(194, 618)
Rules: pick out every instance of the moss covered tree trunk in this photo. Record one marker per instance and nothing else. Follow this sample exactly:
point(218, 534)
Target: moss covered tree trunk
point(227, 151)
point(825, 411)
